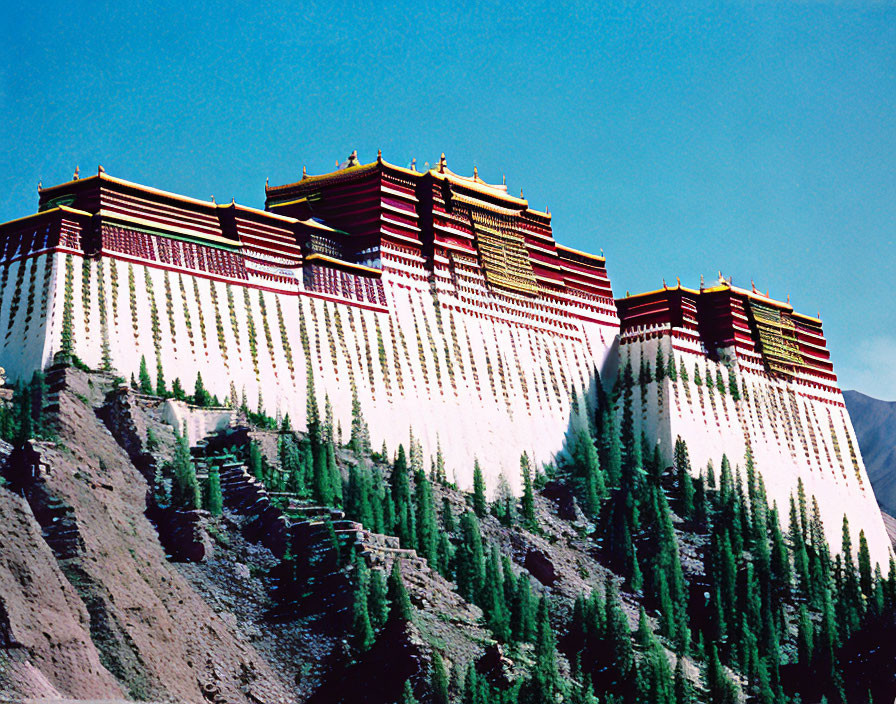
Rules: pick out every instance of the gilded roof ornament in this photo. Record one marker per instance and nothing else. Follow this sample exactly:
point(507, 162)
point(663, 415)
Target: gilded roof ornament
point(475, 172)
point(443, 163)
point(352, 158)
point(678, 281)
point(100, 169)
point(77, 174)
point(664, 284)
point(414, 164)
point(379, 155)
point(40, 184)
point(304, 172)
point(701, 282)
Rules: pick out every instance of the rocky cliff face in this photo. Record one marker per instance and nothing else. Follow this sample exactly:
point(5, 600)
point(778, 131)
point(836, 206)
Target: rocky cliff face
point(105, 614)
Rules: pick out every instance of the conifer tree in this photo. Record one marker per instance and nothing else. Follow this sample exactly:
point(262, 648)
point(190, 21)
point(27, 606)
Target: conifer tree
point(468, 558)
point(161, 389)
point(201, 397)
point(361, 626)
point(720, 382)
point(256, 463)
point(177, 391)
point(214, 502)
point(185, 490)
point(335, 477)
point(407, 694)
point(145, 380)
point(866, 581)
point(438, 680)
point(659, 363)
point(493, 600)
point(399, 602)
point(617, 633)
point(427, 526)
point(480, 506)
point(377, 600)
point(360, 435)
point(684, 692)
point(528, 500)
point(682, 465)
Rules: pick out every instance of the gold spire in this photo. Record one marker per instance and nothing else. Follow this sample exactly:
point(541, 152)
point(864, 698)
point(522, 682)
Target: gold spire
point(701, 282)
point(475, 172)
point(678, 281)
point(100, 169)
point(503, 179)
point(443, 163)
point(267, 180)
point(414, 164)
point(664, 284)
point(379, 154)
point(40, 184)
point(521, 194)
point(213, 200)
point(304, 172)
point(77, 173)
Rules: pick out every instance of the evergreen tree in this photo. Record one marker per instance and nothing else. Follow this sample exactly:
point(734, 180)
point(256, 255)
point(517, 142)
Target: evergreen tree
point(161, 389)
point(256, 462)
point(493, 599)
point(185, 489)
point(720, 382)
point(377, 600)
point(684, 692)
point(201, 397)
point(399, 602)
point(407, 694)
point(361, 626)
point(145, 380)
point(617, 634)
point(438, 680)
point(671, 369)
point(468, 558)
point(214, 503)
point(659, 363)
point(866, 581)
point(360, 435)
point(480, 506)
point(682, 465)
point(401, 495)
point(427, 526)
point(177, 391)
point(528, 500)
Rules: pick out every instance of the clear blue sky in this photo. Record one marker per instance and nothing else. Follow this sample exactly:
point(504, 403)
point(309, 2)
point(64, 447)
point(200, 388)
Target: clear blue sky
point(758, 138)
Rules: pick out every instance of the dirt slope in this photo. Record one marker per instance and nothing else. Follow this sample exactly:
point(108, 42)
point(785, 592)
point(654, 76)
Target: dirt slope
point(151, 630)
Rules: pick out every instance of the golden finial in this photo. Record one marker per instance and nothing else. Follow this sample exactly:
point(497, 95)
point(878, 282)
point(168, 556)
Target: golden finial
point(753, 284)
point(818, 315)
point(547, 209)
point(100, 169)
point(627, 294)
point(266, 181)
point(214, 201)
point(721, 280)
point(521, 194)
point(337, 163)
point(379, 154)
point(701, 282)
point(304, 172)
point(766, 293)
point(788, 298)
point(442, 163)
point(503, 179)
point(414, 164)
point(77, 173)
point(678, 281)
point(40, 184)
point(664, 284)
point(475, 172)
point(601, 251)
point(233, 200)
point(353, 158)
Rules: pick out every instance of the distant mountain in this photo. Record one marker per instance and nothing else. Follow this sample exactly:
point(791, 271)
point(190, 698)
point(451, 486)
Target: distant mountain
point(875, 424)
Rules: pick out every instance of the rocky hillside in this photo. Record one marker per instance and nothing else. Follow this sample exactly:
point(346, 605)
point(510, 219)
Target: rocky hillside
point(268, 566)
point(875, 425)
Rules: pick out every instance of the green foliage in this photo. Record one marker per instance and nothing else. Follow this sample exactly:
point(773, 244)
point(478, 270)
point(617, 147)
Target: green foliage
point(214, 501)
point(185, 488)
point(201, 397)
point(146, 386)
point(480, 506)
point(528, 501)
point(399, 602)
